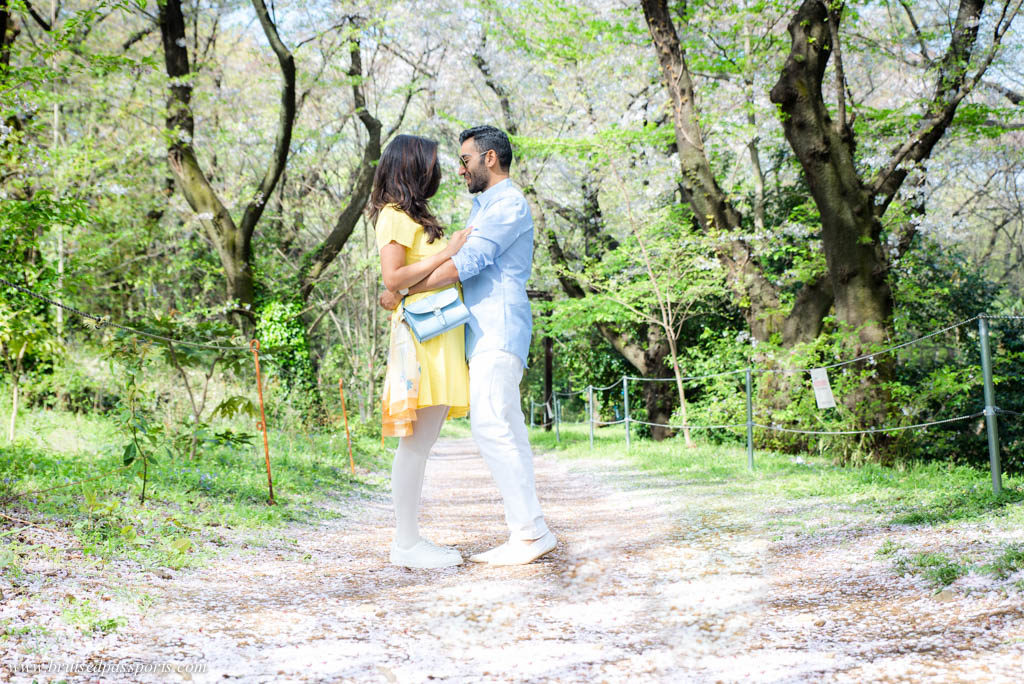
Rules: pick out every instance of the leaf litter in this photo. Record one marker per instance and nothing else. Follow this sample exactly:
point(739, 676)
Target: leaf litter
point(652, 581)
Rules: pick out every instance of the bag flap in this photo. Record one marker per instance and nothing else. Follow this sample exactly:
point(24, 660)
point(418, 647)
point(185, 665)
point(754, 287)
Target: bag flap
point(434, 301)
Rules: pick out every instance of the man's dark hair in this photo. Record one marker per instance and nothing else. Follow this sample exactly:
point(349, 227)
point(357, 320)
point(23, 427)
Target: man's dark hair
point(490, 138)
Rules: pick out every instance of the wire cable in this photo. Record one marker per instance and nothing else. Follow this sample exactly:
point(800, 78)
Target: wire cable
point(779, 428)
point(688, 378)
point(689, 427)
point(104, 321)
point(865, 357)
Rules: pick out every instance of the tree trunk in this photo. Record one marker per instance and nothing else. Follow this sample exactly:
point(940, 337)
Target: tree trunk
point(849, 228)
point(712, 209)
point(9, 30)
point(678, 373)
point(660, 398)
point(850, 208)
point(231, 241)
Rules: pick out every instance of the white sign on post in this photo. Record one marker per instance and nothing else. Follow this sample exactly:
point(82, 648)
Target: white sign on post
point(822, 388)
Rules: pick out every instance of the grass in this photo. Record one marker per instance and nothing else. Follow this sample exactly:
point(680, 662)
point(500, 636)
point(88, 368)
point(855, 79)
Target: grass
point(937, 568)
point(187, 502)
point(912, 494)
point(1008, 562)
point(82, 614)
point(809, 495)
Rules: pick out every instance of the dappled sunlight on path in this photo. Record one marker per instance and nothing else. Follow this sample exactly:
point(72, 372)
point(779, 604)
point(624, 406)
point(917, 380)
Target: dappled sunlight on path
point(653, 580)
point(638, 587)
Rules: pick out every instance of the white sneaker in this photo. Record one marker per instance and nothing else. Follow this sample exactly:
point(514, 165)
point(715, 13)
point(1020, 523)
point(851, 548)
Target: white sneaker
point(515, 552)
point(425, 554)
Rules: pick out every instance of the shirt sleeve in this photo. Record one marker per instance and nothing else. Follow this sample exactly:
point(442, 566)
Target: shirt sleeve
point(494, 231)
point(394, 226)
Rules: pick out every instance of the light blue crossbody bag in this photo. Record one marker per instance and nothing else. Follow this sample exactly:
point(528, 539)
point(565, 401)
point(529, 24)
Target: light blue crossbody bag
point(433, 315)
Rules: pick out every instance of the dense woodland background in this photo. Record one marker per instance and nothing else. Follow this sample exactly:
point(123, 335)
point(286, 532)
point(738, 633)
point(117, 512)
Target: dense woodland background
point(774, 184)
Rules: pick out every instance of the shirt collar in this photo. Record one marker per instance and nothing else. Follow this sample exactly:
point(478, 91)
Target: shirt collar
point(488, 195)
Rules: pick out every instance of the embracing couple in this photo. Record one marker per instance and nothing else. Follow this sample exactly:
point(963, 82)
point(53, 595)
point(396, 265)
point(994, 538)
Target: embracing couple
point(490, 260)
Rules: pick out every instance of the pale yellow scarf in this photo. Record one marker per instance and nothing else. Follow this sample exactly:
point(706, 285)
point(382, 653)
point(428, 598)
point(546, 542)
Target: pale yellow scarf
point(401, 393)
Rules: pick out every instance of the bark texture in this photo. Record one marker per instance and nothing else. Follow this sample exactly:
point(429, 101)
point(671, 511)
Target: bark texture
point(8, 32)
point(232, 241)
point(851, 208)
point(755, 294)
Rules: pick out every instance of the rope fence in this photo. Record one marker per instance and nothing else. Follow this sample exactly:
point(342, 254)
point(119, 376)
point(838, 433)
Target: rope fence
point(553, 412)
point(99, 322)
point(990, 411)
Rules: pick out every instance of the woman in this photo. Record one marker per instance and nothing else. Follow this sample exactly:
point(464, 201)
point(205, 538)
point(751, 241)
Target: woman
point(411, 245)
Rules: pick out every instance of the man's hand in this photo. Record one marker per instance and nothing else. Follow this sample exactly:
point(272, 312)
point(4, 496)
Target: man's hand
point(458, 239)
point(390, 300)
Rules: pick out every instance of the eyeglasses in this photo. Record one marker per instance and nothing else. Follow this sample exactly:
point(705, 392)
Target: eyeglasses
point(464, 159)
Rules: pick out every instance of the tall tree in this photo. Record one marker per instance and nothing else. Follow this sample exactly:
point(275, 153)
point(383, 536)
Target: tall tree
point(715, 213)
point(852, 206)
point(232, 240)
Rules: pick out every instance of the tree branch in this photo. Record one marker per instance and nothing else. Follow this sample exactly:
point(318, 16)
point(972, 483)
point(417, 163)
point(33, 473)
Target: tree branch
point(136, 37)
point(286, 121)
point(951, 87)
point(46, 26)
point(361, 186)
point(917, 31)
point(1012, 95)
point(833, 29)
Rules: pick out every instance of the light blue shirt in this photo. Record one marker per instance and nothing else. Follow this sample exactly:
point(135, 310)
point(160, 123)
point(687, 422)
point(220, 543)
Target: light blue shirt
point(494, 265)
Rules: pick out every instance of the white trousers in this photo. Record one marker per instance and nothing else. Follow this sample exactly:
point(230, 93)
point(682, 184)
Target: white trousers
point(407, 472)
point(499, 430)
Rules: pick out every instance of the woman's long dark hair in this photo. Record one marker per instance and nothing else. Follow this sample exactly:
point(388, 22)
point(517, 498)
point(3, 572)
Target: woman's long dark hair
point(408, 175)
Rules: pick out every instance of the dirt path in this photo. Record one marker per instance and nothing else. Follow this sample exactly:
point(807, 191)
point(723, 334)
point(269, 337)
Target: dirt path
point(652, 581)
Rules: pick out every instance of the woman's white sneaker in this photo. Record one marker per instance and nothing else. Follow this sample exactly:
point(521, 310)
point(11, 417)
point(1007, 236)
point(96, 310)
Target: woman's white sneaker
point(425, 554)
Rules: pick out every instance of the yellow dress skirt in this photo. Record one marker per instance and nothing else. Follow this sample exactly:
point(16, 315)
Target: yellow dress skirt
point(443, 372)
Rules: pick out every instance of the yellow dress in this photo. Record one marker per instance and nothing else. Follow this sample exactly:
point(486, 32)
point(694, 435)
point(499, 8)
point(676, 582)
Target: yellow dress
point(444, 375)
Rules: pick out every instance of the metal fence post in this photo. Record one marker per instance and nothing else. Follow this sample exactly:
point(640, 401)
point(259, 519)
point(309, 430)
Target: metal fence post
point(750, 424)
point(625, 407)
point(991, 424)
point(531, 413)
point(590, 410)
point(558, 421)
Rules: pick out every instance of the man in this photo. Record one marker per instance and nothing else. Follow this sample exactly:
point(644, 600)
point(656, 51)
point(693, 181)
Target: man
point(493, 266)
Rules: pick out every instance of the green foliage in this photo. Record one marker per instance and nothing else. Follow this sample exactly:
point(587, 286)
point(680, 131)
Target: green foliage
point(283, 344)
point(937, 568)
point(187, 504)
point(966, 503)
point(1009, 561)
point(196, 366)
point(888, 549)
point(87, 618)
point(942, 376)
point(145, 435)
point(936, 378)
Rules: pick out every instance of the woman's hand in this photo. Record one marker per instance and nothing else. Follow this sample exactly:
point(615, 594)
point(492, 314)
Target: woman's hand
point(456, 241)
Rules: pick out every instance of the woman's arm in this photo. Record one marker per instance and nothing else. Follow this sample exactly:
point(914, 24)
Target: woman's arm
point(397, 275)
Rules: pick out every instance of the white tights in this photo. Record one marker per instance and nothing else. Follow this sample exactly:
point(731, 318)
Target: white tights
point(407, 472)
